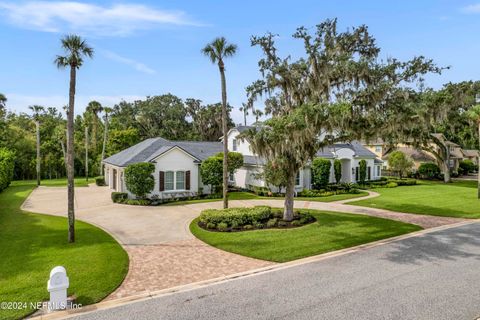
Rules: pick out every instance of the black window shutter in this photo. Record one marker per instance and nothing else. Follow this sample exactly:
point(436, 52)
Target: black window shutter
point(187, 180)
point(162, 180)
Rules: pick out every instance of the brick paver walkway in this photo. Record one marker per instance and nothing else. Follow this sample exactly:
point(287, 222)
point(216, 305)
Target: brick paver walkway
point(166, 265)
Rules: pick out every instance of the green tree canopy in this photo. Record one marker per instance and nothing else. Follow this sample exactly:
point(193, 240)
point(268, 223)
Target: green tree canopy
point(211, 171)
point(321, 172)
point(139, 178)
point(400, 163)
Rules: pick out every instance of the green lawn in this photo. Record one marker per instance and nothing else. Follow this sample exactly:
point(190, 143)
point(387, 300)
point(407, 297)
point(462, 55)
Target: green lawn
point(252, 196)
point(458, 199)
point(79, 182)
point(32, 244)
point(332, 231)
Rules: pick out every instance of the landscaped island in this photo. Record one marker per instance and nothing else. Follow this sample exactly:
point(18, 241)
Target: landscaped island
point(32, 244)
point(331, 231)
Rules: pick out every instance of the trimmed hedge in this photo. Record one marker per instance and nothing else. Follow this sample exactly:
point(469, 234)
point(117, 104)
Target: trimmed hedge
point(321, 172)
point(119, 197)
point(7, 159)
point(260, 217)
point(100, 181)
point(236, 216)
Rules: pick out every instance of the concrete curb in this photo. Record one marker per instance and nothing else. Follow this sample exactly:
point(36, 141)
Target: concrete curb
point(205, 283)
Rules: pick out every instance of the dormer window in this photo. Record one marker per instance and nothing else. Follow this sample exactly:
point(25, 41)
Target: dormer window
point(234, 145)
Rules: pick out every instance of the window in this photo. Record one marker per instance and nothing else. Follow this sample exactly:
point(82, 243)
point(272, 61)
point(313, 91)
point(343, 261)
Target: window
point(231, 177)
point(369, 173)
point(378, 149)
point(297, 179)
point(378, 171)
point(169, 180)
point(234, 145)
point(180, 180)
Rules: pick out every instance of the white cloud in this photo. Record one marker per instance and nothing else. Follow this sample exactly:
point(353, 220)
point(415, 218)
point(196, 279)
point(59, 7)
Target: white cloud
point(473, 8)
point(135, 64)
point(71, 16)
point(19, 103)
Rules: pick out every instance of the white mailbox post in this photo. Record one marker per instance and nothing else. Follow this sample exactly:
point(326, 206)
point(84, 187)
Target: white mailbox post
point(57, 286)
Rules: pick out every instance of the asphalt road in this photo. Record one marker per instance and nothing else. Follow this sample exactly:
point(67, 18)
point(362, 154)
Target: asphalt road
point(434, 276)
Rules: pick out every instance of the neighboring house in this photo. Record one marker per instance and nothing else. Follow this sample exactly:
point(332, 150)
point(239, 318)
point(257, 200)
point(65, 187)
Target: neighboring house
point(471, 155)
point(382, 150)
point(177, 164)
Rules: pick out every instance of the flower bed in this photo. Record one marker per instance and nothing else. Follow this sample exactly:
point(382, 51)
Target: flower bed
point(241, 219)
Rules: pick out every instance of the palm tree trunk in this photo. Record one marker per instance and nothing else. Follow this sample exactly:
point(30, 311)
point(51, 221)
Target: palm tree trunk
point(289, 195)
point(225, 138)
point(446, 175)
point(37, 127)
point(478, 166)
point(86, 152)
point(105, 135)
point(70, 156)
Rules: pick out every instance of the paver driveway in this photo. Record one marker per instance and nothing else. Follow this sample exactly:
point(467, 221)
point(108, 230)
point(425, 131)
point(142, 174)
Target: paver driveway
point(163, 253)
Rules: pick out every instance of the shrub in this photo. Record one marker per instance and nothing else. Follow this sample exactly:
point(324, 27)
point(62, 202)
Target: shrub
point(391, 185)
point(222, 226)
point(399, 162)
point(296, 223)
point(7, 159)
point(139, 178)
point(467, 166)
point(259, 225)
point(282, 223)
point(320, 172)
point(211, 225)
point(363, 171)
point(429, 170)
point(237, 216)
point(248, 227)
point(337, 169)
point(137, 202)
point(211, 171)
point(100, 181)
point(272, 223)
point(119, 197)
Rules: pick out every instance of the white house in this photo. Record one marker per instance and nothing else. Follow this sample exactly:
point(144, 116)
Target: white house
point(177, 164)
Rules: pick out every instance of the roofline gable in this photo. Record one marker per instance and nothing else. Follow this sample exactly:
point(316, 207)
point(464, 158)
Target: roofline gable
point(172, 148)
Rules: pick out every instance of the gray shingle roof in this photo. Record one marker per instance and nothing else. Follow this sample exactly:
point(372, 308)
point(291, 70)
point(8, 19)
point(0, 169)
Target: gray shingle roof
point(149, 149)
point(355, 146)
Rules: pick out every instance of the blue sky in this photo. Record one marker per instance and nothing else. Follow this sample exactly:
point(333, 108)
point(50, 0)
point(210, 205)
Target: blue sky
point(153, 47)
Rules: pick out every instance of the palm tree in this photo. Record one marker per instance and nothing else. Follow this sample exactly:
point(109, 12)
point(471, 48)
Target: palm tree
point(75, 50)
point(106, 110)
point(3, 100)
point(244, 108)
point(37, 110)
point(474, 115)
point(217, 50)
point(86, 149)
point(94, 107)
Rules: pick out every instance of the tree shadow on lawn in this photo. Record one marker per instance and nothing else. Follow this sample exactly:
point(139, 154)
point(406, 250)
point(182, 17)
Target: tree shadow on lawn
point(446, 245)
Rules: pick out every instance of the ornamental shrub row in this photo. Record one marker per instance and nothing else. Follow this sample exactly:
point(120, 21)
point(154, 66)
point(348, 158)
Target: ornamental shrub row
point(235, 217)
point(240, 219)
point(7, 159)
